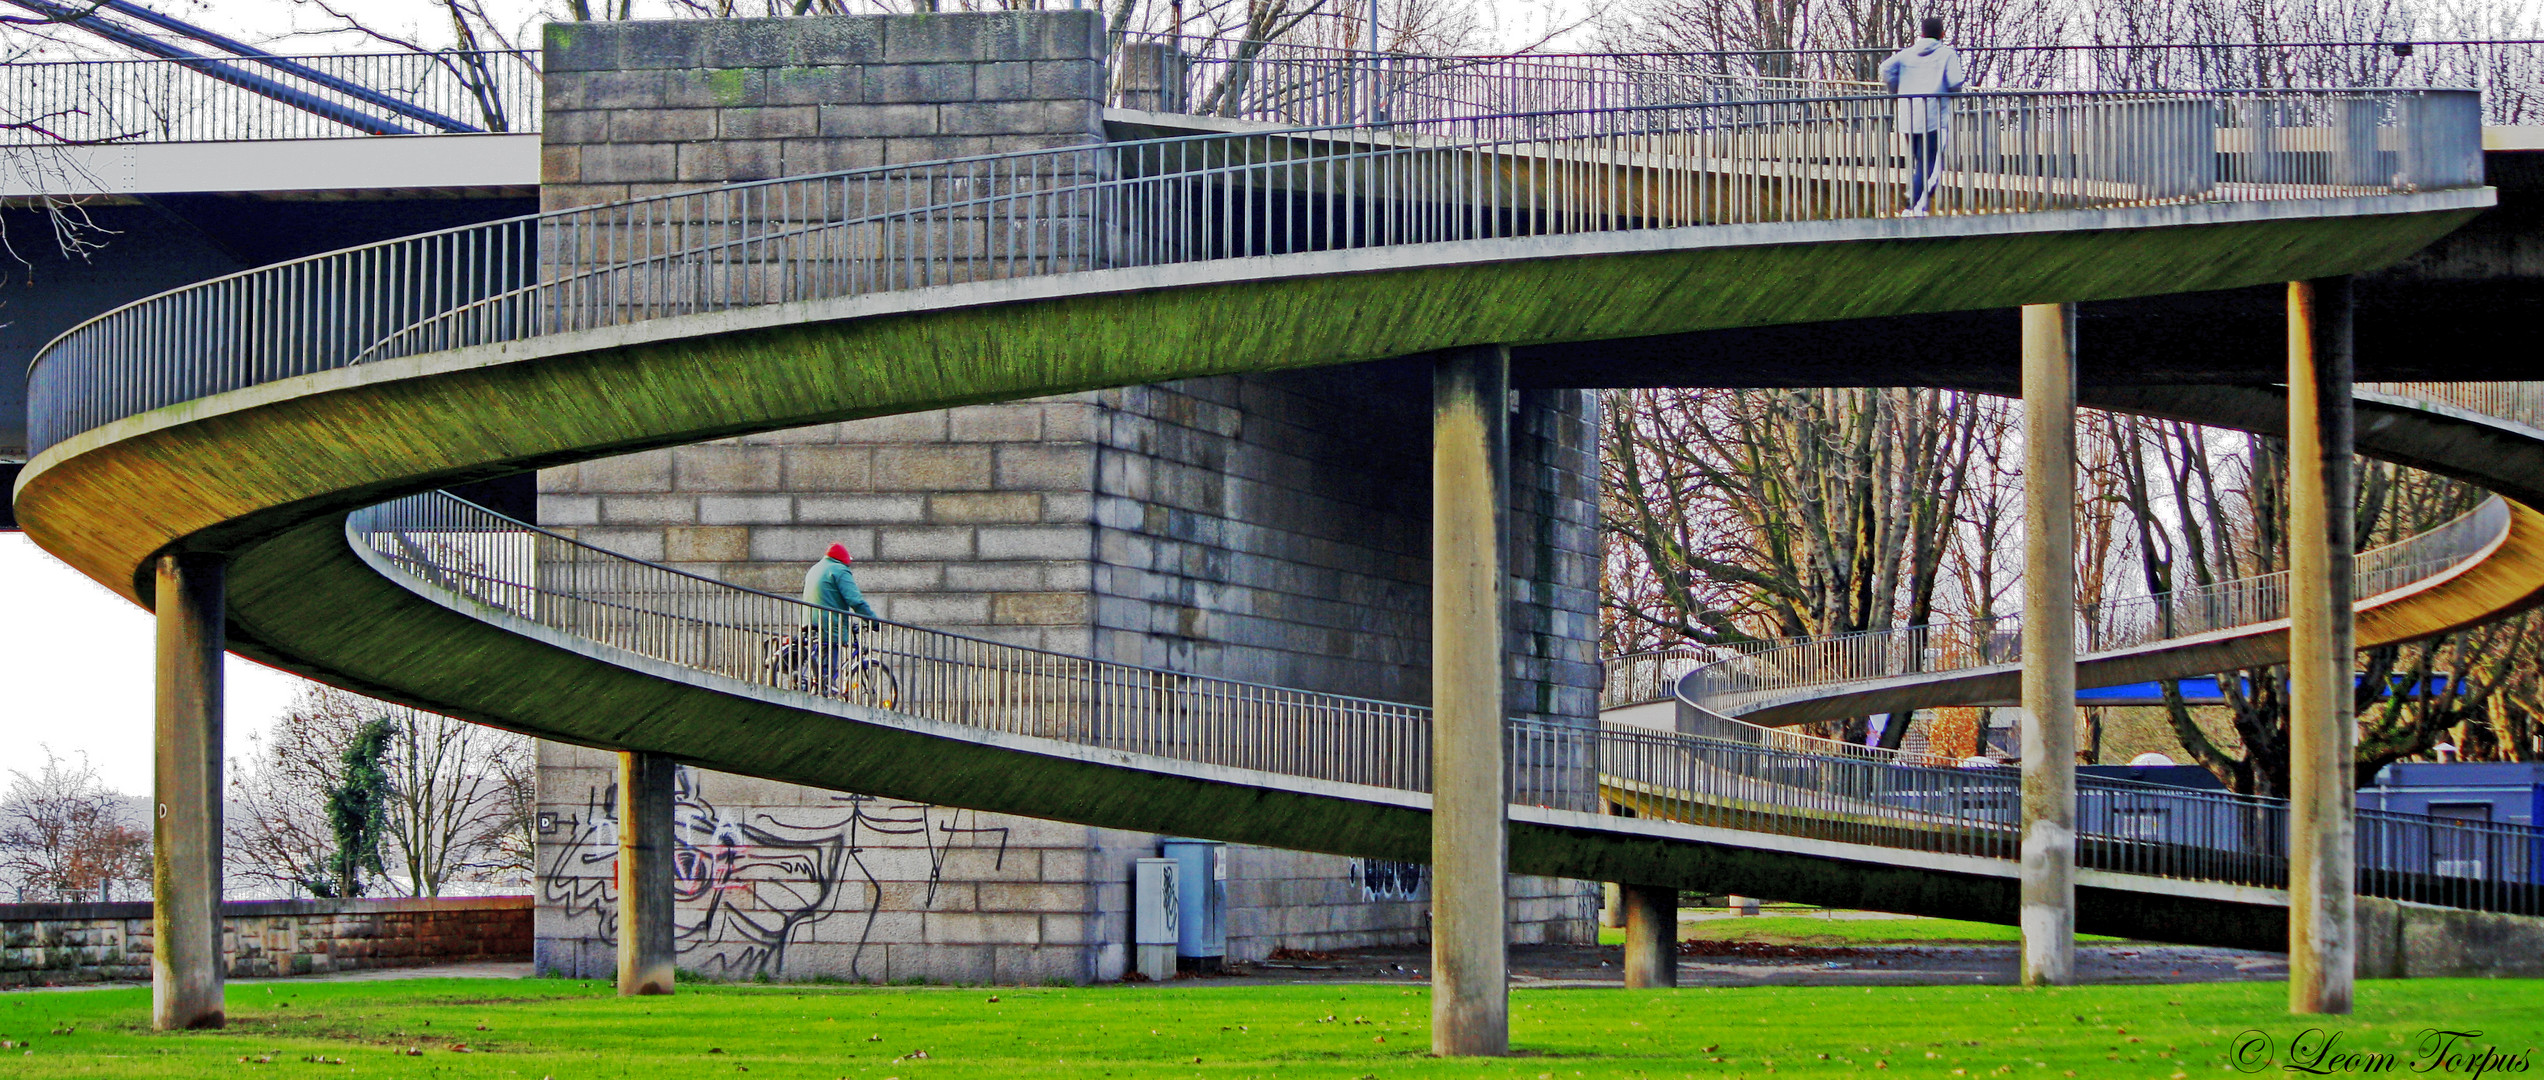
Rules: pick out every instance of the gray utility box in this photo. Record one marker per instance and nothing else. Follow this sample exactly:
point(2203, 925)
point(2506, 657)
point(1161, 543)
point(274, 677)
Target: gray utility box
point(1156, 916)
point(1202, 943)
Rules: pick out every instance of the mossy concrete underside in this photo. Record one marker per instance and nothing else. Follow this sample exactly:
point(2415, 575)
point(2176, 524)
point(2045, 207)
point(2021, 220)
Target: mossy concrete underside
point(261, 473)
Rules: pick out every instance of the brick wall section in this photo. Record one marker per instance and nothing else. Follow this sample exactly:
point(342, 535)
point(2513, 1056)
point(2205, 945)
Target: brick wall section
point(59, 944)
point(639, 108)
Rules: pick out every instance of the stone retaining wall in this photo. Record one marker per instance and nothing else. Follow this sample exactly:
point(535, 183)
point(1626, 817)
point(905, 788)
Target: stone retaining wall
point(58, 944)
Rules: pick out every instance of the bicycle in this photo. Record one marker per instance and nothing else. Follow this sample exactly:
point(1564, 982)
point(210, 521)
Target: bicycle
point(805, 662)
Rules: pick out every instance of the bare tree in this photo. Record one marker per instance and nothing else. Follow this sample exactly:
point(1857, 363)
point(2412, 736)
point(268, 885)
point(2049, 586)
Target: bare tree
point(65, 835)
point(460, 796)
point(456, 804)
point(39, 144)
point(2207, 507)
point(1734, 516)
point(1850, 36)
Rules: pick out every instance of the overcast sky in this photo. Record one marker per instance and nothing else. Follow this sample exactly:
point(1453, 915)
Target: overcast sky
point(75, 673)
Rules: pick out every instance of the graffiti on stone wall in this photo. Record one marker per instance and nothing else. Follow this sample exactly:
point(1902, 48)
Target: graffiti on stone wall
point(750, 882)
point(1386, 879)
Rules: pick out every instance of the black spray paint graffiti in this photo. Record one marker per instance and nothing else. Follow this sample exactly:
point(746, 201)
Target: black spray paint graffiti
point(1385, 879)
point(747, 886)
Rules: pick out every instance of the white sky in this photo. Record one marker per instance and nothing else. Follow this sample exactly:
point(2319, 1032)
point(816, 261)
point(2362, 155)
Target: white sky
point(75, 664)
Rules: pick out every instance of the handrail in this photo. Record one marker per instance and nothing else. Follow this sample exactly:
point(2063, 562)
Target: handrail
point(1208, 197)
point(172, 100)
point(169, 100)
point(1768, 670)
point(511, 573)
point(1294, 83)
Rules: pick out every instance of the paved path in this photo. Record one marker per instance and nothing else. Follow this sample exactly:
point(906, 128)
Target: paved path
point(490, 970)
point(1745, 964)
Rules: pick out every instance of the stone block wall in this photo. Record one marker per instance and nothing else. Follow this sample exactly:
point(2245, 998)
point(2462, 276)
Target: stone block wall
point(639, 108)
point(58, 944)
point(786, 882)
point(974, 520)
point(781, 881)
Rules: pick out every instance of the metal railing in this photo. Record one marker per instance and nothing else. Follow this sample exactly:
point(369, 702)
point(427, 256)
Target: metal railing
point(1209, 197)
point(218, 100)
point(2122, 827)
point(1295, 84)
point(2519, 403)
point(511, 571)
point(2509, 73)
point(1654, 676)
point(1298, 84)
point(1764, 672)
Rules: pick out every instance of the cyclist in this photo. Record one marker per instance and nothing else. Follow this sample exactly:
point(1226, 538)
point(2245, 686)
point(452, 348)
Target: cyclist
point(832, 586)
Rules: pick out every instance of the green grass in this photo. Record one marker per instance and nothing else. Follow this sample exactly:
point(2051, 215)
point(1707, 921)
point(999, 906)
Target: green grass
point(1813, 930)
point(578, 1031)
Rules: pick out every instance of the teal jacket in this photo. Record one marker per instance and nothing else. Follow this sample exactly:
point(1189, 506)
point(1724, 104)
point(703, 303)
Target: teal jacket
point(830, 584)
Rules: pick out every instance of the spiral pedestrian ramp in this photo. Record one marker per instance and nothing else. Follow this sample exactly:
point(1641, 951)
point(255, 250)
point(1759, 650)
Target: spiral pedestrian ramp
point(295, 421)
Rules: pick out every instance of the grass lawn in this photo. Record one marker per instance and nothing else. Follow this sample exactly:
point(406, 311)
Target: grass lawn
point(572, 1030)
point(1814, 930)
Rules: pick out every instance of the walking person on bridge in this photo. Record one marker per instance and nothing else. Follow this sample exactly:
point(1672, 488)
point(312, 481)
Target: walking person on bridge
point(1923, 75)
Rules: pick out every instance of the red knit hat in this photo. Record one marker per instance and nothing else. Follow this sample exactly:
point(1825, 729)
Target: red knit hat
point(840, 552)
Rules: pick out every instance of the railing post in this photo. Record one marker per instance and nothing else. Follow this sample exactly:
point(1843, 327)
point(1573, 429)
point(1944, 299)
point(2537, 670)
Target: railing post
point(2049, 645)
point(1470, 993)
point(186, 968)
point(2322, 730)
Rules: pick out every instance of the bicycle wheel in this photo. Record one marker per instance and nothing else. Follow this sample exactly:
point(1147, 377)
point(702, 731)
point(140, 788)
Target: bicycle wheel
point(785, 664)
point(870, 682)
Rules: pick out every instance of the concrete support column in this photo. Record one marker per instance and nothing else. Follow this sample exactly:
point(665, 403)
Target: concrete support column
point(2049, 645)
point(1470, 843)
point(185, 863)
point(645, 954)
point(1651, 936)
point(2322, 730)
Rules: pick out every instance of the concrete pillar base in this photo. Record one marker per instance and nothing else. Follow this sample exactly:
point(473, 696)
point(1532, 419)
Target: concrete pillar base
point(2049, 645)
point(2322, 652)
point(645, 952)
point(1470, 838)
point(1651, 936)
point(186, 967)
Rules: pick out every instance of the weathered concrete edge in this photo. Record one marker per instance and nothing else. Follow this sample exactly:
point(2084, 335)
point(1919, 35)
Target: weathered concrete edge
point(2398, 939)
point(1252, 270)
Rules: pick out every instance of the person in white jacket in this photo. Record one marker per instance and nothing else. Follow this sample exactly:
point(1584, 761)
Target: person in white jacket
point(1923, 75)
